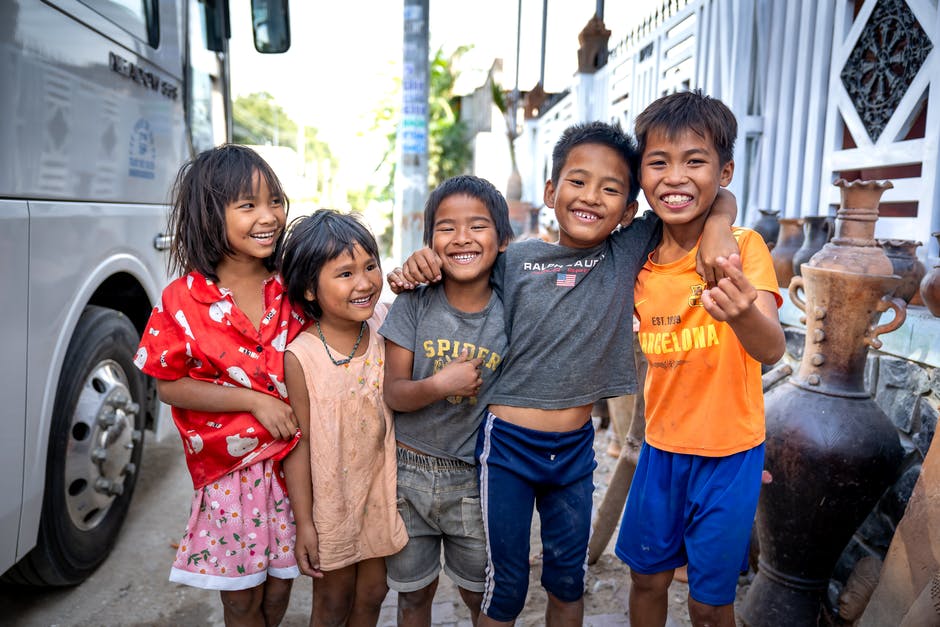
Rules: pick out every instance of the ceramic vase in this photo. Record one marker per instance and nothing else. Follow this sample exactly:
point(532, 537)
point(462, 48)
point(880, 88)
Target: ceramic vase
point(788, 242)
point(816, 232)
point(903, 256)
point(930, 286)
point(767, 226)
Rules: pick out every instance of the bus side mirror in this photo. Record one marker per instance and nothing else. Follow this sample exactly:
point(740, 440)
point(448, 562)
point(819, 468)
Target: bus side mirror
point(270, 21)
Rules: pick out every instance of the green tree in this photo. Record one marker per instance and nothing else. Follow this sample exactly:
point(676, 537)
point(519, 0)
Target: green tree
point(258, 119)
point(448, 150)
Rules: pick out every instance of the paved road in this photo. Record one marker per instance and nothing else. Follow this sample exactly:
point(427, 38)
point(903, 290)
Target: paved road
point(131, 588)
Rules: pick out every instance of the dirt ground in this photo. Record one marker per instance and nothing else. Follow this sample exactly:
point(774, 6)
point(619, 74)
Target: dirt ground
point(131, 588)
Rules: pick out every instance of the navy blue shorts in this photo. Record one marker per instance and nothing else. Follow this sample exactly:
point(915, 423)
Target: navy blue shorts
point(696, 510)
point(520, 468)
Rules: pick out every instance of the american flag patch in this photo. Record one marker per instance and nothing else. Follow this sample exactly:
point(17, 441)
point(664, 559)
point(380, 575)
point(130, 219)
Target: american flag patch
point(564, 279)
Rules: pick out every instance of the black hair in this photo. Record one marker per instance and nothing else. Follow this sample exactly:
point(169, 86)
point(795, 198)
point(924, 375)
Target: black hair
point(474, 187)
point(203, 188)
point(604, 134)
point(314, 240)
point(690, 111)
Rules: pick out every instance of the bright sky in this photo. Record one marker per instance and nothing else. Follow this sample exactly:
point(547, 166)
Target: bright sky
point(345, 57)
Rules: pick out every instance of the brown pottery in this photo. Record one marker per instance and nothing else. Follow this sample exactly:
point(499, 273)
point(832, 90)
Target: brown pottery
point(930, 286)
point(816, 232)
point(903, 256)
point(767, 226)
point(788, 242)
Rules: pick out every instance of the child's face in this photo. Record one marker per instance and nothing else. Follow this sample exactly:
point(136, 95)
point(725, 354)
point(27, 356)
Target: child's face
point(681, 177)
point(254, 222)
point(348, 287)
point(465, 239)
point(590, 198)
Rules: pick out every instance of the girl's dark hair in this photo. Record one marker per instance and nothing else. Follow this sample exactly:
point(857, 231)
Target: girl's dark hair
point(314, 240)
point(474, 187)
point(203, 187)
point(610, 135)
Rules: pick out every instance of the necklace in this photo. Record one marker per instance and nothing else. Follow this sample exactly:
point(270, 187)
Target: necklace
point(340, 362)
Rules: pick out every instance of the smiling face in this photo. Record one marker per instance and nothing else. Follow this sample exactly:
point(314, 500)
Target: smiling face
point(348, 288)
point(464, 237)
point(254, 221)
point(680, 177)
point(590, 197)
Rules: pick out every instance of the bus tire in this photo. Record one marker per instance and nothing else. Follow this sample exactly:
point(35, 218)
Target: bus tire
point(95, 448)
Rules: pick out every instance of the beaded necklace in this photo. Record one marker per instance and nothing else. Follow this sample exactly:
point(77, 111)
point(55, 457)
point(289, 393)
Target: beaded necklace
point(340, 362)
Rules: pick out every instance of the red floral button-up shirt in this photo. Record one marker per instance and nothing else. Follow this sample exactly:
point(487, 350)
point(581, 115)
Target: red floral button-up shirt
point(197, 331)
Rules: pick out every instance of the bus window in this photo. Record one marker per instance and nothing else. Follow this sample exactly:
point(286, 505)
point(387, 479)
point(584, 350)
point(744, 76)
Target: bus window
point(137, 17)
point(205, 97)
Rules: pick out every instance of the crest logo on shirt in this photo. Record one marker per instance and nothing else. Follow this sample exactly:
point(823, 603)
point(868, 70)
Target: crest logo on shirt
point(695, 300)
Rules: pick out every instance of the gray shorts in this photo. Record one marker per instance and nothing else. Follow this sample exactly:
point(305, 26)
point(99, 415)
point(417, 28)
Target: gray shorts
point(439, 500)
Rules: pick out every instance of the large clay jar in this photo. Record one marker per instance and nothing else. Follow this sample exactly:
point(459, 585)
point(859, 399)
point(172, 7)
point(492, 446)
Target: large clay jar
point(930, 287)
point(853, 246)
point(830, 449)
point(816, 232)
point(767, 226)
point(788, 242)
point(903, 256)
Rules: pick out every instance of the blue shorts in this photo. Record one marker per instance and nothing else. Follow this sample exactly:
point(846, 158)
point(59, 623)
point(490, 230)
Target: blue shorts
point(521, 468)
point(696, 510)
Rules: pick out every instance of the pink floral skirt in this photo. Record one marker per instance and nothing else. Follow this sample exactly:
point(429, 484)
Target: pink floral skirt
point(240, 531)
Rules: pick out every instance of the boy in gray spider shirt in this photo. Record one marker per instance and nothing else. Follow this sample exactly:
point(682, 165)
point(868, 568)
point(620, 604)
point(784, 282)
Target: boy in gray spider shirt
point(569, 309)
point(444, 347)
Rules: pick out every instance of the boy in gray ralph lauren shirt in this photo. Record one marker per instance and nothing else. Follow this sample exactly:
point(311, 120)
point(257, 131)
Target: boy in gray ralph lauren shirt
point(444, 347)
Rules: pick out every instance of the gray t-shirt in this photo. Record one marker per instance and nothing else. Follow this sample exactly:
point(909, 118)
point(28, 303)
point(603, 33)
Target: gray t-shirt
point(569, 318)
point(424, 322)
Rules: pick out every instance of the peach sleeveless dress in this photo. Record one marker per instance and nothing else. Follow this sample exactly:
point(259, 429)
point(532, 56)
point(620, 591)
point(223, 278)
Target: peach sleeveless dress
point(352, 450)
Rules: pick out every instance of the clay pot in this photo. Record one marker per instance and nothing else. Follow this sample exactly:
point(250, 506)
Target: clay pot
point(788, 242)
point(853, 247)
point(830, 448)
point(767, 226)
point(930, 286)
point(816, 232)
point(903, 256)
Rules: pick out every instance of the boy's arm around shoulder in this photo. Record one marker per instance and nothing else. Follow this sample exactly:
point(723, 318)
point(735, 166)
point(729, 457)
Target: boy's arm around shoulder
point(717, 238)
point(460, 377)
point(297, 472)
point(751, 313)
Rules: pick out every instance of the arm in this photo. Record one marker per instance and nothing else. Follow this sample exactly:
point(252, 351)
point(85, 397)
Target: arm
point(752, 314)
point(297, 472)
point(460, 377)
point(717, 239)
point(274, 414)
point(423, 266)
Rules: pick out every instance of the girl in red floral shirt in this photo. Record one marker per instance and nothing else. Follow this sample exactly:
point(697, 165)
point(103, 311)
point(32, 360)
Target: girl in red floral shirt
point(215, 344)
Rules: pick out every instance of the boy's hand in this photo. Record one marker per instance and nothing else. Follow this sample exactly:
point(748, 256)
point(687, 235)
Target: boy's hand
point(274, 415)
point(423, 266)
point(307, 551)
point(396, 281)
point(461, 377)
point(733, 295)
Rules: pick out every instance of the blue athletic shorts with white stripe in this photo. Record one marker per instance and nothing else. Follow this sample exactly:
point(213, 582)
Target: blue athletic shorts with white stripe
point(554, 471)
point(696, 510)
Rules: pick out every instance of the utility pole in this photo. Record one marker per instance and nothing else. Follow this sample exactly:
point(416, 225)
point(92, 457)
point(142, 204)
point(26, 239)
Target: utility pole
point(411, 177)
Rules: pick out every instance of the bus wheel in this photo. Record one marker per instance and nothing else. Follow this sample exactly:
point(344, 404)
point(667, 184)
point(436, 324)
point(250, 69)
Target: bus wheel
point(95, 447)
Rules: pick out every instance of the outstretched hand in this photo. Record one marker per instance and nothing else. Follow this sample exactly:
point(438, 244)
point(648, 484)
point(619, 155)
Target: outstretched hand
point(733, 294)
point(423, 266)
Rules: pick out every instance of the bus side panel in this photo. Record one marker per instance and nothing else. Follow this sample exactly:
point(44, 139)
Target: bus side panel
point(118, 240)
point(14, 234)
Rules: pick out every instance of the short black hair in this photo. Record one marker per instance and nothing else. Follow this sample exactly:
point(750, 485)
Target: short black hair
point(203, 187)
point(314, 240)
point(690, 111)
point(474, 187)
point(610, 135)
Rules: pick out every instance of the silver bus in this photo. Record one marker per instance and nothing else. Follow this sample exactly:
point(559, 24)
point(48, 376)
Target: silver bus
point(101, 101)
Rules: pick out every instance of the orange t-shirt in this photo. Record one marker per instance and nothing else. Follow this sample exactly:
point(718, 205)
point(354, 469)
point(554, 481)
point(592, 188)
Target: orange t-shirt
point(703, 391)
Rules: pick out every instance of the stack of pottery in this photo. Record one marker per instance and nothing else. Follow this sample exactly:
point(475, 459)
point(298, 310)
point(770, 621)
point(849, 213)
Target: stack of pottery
point(903, 256)
point(930, 286)
point(767, 226)
point(816, 232)
point(830, 449)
